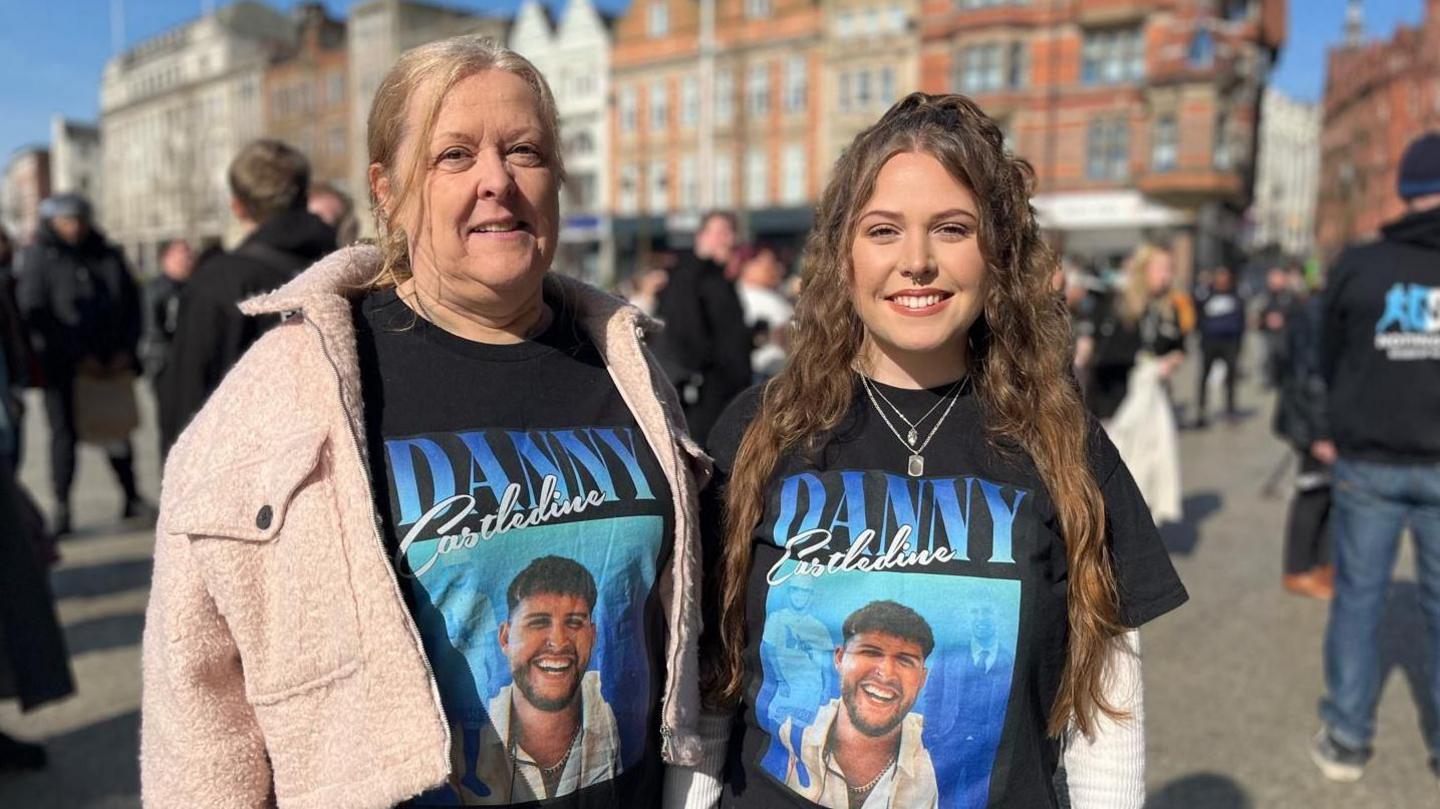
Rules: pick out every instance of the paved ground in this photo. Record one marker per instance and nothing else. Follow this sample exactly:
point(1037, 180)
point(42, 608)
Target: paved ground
point(1232, 678)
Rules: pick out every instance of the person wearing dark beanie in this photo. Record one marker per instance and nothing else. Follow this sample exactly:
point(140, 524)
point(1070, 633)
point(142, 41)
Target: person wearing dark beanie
point(1381, 363)
point(1420, 168)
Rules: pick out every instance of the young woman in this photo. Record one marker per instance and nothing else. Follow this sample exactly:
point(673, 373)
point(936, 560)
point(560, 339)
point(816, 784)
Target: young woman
point(435, 534)
point(932, 562)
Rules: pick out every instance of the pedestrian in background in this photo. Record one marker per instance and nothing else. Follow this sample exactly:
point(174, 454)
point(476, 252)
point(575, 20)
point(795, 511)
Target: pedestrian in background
point(34, 664)
point(1282, 295)
point(1222, 334)
point(1146, 318)
point(269, 184)
point(767, 312)
point(16, 352)
point(1301, 420)
point(285, 653)
point(81, 307)
point(1381, 359)
point(162, 317)
point(705, 345)
point(336, 209)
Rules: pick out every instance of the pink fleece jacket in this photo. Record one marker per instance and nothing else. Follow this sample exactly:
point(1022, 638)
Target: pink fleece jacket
point(281, 665)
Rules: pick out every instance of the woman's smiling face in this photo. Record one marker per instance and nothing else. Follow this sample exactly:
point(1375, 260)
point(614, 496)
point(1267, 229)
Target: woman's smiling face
point(919, 276)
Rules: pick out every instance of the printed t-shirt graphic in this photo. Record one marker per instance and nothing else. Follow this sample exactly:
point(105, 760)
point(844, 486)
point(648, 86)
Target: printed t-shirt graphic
point(530, 624)
point(907, 634)
point(1410, 327)
point(886, 672)
point(527, 520)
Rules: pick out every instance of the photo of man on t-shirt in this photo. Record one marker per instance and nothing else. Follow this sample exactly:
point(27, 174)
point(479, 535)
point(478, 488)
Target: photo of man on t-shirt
point(551, 731)
point(865, 749)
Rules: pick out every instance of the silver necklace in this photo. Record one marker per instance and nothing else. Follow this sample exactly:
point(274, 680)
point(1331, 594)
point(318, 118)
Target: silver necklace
point(915, 466)
point(876, 780)
point(914, 435)
point(553, 768)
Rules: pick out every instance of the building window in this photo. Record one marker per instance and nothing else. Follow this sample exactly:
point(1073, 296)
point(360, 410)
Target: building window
point(1223, 157)
point(1112, 56)
point(1017, 66)
point(887, 85)
point(724, 181)
point(757, 91)
point(863, 98)
point(629, 189)
point(1165, 144)
point(845, 91)
point(1107, 149)
point(336, 89)
point(795, 84)
point(655, 199)
point(659, 105)
point(982, 68)
point(689, 101)
point(689, 183)
point(627, 110)
point(1235, 10)
point(845, 25)
point(756, 179)
point(724, 96)
point(758, 9)
point(792, 177)
point(1202, 49)
point(335, 141)
point(659, 19)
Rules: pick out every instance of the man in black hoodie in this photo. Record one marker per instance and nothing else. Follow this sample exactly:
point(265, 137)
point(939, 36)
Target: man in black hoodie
point(81, 307)
point(1381, 361)
point(269, 183)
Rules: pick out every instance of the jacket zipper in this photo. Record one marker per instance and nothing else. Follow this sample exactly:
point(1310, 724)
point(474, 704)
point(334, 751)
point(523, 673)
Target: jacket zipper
point(379, 542)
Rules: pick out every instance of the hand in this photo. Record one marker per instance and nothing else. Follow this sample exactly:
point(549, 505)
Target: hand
point(1170, 362)
point(1324, 452)
point(650, 282)
point(1274, 321)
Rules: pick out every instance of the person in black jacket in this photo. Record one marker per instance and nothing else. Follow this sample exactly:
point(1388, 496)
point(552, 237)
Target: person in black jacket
point(1302, 421)
point(1222, 331)
point(705, 346)
point(1381, 360)
point(268, 186)
point(82, 309)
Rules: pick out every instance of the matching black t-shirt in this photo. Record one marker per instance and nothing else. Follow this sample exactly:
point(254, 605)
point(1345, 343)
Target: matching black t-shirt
point(907, 634)
point(908, 629)
point(528, 522)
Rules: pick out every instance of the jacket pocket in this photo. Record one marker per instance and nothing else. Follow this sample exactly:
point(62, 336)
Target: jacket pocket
point(267, 534)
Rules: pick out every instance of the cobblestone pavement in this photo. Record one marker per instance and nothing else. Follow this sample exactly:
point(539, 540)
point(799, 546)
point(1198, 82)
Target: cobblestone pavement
point(1232, 678)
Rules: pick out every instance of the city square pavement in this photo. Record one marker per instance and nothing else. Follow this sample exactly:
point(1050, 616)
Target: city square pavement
point(1231, 678)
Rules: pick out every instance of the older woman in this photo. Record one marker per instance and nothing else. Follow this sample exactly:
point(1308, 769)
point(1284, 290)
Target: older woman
point(435, 534)
point(932, 563)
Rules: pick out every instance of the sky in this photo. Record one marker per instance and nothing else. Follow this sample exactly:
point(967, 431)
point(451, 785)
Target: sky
point(52, 52)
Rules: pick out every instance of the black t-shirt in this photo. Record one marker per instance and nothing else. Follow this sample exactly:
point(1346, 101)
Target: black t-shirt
point(528, 522)
point(918, 621)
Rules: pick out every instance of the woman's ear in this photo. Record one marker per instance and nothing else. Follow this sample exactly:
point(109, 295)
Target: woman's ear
point(380, 186)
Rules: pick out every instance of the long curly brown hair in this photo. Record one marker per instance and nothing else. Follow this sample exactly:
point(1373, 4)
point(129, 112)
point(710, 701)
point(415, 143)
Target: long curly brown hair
point(1019, 352)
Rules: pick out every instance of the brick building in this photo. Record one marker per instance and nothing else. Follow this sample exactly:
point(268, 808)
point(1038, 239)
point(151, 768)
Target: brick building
point(719, 113)
point(1139, 115)
point(1378, 97)
point(306, 99)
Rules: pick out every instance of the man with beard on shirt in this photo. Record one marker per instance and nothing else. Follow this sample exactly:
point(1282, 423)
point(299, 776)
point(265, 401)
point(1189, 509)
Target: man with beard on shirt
point(864, 750)
point(551, 732)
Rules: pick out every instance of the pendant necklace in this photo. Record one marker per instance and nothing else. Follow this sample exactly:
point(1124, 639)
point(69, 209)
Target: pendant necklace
point(915, 466)
point(914, 434)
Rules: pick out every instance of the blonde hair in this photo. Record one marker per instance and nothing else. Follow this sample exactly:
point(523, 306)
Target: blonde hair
point(439, 65)
point(1137, 293)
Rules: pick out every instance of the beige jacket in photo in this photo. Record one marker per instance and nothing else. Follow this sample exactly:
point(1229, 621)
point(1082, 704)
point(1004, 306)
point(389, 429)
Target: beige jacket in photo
point(281, 665)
